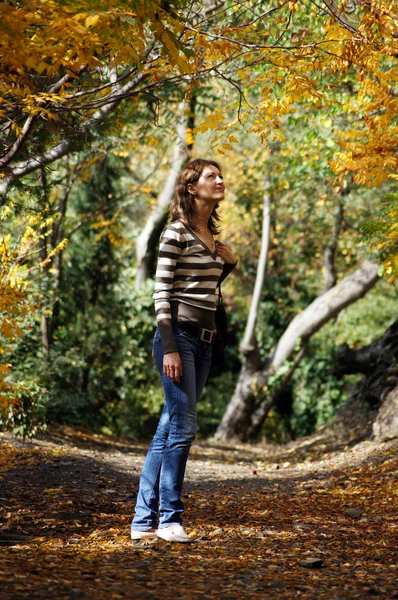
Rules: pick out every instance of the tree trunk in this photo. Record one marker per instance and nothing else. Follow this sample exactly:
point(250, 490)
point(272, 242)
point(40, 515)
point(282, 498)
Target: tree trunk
point(249, 339)
point(330, 250)
point(271, 400)
point(239, 412)
point(321, 310)
point(300, 330)
point(237, 415)
point(148, 238)
point(44, 299)
point(56, 239)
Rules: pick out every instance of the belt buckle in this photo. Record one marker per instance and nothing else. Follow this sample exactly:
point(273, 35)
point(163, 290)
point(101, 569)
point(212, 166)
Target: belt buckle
point(203, 336)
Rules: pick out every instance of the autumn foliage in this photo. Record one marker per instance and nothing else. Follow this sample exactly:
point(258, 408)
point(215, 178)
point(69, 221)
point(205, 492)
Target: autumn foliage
point(83, 83)
point(298, 100)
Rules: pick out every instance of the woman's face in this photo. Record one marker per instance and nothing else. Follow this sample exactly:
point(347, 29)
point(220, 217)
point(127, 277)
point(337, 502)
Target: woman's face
point(210, 185)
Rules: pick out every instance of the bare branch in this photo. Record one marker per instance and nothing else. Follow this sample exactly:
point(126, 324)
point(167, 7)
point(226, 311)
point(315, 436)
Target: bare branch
point(66, 146)
point(30, 122)
point(17, 145)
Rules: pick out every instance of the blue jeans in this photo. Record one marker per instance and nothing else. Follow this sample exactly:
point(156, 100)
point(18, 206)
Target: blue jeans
point(164, 468)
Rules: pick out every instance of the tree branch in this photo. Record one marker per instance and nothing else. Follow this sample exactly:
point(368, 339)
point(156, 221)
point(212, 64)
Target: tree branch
point(340, 18)
point(66, 146)
point(321, 310)
point(30, 122)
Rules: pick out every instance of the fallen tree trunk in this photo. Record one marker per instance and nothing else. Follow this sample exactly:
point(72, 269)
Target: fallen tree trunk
point(367, 360)
point(253, 384)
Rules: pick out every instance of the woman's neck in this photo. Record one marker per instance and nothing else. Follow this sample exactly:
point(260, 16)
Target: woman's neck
point(202, 215)
point(201, 224)
point(199, 221)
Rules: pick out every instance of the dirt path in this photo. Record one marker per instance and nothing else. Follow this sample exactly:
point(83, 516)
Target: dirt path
point(253, 511)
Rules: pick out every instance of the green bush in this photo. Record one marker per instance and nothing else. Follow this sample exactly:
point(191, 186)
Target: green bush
point(317, 393)
point(28, 415)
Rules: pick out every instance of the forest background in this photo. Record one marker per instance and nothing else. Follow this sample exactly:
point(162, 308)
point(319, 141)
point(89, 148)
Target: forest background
point(101, 105)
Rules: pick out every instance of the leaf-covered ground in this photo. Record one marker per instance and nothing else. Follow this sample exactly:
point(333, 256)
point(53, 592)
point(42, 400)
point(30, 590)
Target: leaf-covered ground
point(254, 513)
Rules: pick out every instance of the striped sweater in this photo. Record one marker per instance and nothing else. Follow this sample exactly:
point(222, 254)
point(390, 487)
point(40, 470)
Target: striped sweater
point(187, 272)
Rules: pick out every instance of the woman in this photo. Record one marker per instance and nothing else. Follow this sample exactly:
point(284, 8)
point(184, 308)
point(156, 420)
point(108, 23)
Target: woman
point(190, 266)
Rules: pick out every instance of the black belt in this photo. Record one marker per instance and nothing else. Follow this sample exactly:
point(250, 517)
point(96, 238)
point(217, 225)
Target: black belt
point(206, 335)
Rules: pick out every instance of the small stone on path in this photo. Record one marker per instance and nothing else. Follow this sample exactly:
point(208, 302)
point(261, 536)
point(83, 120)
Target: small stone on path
point(312, 562)
point(355, 513)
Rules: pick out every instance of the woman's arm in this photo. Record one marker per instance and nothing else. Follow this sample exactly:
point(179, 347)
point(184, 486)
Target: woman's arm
point(169, 251)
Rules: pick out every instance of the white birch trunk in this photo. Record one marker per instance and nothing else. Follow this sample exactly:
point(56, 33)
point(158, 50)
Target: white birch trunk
point(237, 411)
point(249, 338)
point(147, 239)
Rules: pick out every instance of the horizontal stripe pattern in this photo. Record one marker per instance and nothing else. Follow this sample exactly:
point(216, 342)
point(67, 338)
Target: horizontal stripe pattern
point(186, 271)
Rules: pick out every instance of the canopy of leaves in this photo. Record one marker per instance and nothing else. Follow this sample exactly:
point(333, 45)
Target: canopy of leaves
point(303, 90)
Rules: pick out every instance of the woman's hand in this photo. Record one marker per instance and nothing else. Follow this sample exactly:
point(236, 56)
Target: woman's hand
point(172, 366)
point(226, 253)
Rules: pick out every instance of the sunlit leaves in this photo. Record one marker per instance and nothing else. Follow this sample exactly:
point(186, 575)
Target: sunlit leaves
point(382, 237)
point(322, 52)
point(41, 42)
point(295, 54)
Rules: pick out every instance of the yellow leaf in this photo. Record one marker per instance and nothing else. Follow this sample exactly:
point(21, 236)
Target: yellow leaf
point(41, 67)
point(7, 330)
point(91, 20)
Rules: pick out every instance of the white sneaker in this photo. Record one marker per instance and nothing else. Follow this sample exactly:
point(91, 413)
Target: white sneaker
point(136, 536)
point(174, 533)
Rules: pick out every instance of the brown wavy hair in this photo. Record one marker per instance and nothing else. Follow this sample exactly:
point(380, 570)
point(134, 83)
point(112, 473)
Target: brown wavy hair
point(183, 205)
